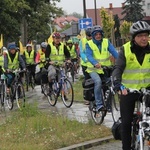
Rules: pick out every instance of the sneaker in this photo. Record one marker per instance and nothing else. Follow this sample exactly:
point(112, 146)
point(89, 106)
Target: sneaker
point(102, 108)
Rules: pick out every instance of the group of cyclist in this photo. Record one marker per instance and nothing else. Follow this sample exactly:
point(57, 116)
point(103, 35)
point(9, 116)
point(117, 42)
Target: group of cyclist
point(131, 69)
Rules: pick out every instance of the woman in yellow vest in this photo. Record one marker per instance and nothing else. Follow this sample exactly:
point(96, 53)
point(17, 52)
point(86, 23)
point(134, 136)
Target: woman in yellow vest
point(98, 52)
point(132, 70)
point(12, 61)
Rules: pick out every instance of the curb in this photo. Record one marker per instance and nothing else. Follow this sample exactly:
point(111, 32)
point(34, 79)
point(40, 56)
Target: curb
point(88, 144)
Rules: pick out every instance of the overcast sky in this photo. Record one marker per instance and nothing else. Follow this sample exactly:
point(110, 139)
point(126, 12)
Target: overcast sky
point(71, 6)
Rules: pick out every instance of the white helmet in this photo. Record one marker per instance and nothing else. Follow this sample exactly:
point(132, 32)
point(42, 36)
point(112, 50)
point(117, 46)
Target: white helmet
point(29, 45)
point(139, 26)
point(43, 44)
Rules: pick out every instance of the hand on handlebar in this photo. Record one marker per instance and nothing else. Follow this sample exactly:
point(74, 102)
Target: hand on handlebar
point(121, 89)
point(98, 66)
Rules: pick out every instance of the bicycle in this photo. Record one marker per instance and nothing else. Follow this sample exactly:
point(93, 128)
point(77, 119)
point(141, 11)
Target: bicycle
point(29, 78)
point(110, 100)
point(141, 121)
point(60, 87)
point(16, 91)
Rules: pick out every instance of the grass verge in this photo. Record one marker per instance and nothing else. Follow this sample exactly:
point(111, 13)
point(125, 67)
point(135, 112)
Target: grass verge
point(31, 129)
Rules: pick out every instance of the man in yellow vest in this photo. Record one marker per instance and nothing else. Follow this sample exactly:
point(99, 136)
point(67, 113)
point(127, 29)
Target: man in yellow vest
point(56, 52)
point(98, 52)
point(29, 57)
point(132, 70)
point(12, 61)
point(82, 48)
point(73, 53)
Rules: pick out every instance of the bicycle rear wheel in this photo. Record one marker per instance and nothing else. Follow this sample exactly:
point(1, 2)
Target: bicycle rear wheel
point(20, 96)
point(98, 117)
point(32, 82)
point(67, 93)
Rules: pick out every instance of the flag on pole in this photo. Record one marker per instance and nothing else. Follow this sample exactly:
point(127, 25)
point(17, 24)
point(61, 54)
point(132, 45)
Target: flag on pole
point(21, 47)
point(50, 39)
point(1, 41)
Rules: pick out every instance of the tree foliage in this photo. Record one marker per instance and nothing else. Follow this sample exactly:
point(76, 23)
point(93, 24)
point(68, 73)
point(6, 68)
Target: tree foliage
point(133, 10)
point(124, 30)
point(107, 22)
point(36, 13)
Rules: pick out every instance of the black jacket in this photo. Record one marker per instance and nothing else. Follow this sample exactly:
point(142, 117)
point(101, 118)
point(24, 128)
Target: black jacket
point(121, 60)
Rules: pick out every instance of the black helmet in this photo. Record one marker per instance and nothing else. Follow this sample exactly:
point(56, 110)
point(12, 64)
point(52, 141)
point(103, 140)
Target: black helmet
point(139, 27)
point(88, 31)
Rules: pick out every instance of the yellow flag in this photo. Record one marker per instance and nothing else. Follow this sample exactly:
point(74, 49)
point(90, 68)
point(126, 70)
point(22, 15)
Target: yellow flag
point(50, 39)
point(21, 47)
point(1, 41)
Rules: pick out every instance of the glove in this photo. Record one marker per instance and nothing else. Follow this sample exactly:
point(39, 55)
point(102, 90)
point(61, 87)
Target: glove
point(119, 87)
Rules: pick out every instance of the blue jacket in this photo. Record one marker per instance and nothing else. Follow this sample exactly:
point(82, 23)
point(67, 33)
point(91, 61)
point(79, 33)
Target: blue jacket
point(89, 52)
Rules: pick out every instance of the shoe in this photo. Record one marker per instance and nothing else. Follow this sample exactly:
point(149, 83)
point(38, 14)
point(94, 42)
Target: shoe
point(65, 97)
point(87, 102)
point(102, 108)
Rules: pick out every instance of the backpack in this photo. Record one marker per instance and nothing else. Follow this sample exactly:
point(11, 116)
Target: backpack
point(116, 129)
point(88, 89)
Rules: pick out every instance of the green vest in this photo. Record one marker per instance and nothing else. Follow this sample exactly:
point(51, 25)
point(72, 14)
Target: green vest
point(15, 63)
point(42, 58)
point(135, 75)
point(72, 51)
point(29, 58)
point(102, 57)
point(57, 55)
point(84, 41)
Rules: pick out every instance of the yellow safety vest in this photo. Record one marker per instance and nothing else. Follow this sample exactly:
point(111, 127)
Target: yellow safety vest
point(15, 63)
point(72, 51)
point(83, 42)
point(102, 57)
point(29, 58)
point(57, 55)
point(42, 58)
point(135, 75)
point(2, 60)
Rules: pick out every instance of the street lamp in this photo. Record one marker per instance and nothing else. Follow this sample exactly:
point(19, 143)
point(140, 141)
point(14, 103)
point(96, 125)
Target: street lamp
point(84, 9)
point(95, 8)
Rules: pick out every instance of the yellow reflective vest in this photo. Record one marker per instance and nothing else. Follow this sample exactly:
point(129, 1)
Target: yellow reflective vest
point(29, 58)
point(72, 51)
point(42, 58)
point(83, 42)
point(2, 60)
point(102, 57)
point(15, 63)
point(135, 75)
point(57, 55)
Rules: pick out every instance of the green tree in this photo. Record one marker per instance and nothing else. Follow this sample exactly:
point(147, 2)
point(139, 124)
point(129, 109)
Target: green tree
point(133, 10)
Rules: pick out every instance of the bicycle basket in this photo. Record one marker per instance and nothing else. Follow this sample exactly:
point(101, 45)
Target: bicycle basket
point(116, 129)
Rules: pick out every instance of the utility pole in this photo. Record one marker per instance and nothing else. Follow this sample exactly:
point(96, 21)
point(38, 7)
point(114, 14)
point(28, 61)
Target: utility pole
point(84, 9)
point(95, 8)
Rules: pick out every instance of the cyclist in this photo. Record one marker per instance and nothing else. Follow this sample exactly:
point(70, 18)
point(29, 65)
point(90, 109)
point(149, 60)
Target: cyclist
point(73, 53)
point(56, 52)
point(132, 70)
point(98, 52)
point(41, 58)
point(29, 57)
point(82, 47)
point(12, 60)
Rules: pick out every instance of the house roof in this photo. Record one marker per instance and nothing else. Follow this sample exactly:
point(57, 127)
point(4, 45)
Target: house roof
point(114, 11)
point(61, 20)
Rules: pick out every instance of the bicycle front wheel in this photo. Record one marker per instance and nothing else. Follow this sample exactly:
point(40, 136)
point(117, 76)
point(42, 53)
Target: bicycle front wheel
point(20, 96)
point(2, 96)
point(10, 99)
point(115, 107)
point(67, 93)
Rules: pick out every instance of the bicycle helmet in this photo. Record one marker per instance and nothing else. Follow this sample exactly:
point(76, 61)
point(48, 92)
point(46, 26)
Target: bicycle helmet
point(11, 46)
point(43, 45)
point(96, 29)
point(139, 27)
point(28, 45)
point(56, 35)
point(88, 31)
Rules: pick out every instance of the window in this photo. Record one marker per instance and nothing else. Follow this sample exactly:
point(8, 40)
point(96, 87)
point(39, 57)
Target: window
point(148, 5)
